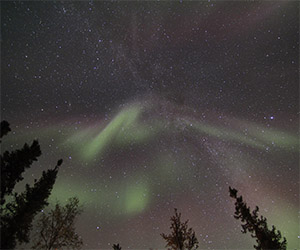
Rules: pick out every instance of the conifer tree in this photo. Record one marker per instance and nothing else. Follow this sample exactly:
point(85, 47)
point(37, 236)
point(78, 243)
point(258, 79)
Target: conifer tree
point(117, 247)
point(4, 128)
point(257, 226)
point(181, 236)
point(17, 214)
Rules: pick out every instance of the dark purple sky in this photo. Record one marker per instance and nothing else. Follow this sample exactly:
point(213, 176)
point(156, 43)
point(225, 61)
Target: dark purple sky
point(156, 105)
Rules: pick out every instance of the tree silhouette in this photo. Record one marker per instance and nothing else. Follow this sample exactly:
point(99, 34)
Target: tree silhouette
point(257, 226)
point(181, 236)
point(17, 214)
point(4, 128)
point(117, 247)
point(57, 228)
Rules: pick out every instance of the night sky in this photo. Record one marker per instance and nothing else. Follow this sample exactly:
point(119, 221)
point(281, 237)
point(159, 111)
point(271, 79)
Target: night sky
point(157, 105)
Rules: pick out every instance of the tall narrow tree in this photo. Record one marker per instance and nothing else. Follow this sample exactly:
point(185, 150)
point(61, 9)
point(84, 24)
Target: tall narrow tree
point(257, 226)
point(181, 236)
point(17, 215)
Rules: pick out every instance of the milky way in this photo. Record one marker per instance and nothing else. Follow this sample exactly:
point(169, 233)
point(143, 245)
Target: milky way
point(155, 106)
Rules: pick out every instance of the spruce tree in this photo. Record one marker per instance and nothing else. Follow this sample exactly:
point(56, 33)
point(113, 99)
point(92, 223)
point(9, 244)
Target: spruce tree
point(181, 236)
point(117, 247)
point(18, 213)
point(257, 226)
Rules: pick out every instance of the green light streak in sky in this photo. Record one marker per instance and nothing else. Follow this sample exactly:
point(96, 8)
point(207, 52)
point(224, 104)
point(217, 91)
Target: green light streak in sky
point(126, 128)
point(226, 134)
point(275, 137)
point(257, 136)
point(124, 120)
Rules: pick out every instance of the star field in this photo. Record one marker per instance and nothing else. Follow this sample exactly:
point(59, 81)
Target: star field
point(157, 105)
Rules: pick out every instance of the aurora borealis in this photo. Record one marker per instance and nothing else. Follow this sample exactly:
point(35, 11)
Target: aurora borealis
point(157, 105)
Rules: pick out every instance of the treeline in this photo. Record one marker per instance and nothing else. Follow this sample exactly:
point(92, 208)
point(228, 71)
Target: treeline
point(57, 227)
point(18, 210)
point(182, 237)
